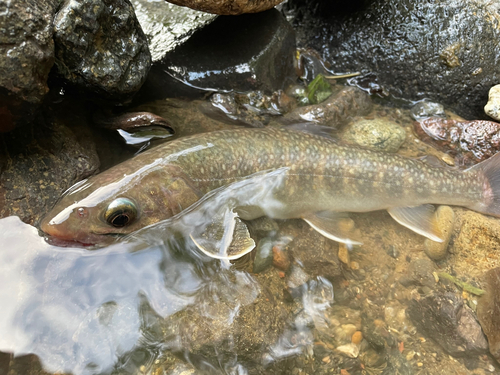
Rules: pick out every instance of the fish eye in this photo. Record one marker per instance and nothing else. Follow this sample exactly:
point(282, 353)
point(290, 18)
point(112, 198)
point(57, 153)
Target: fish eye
point(120, 212)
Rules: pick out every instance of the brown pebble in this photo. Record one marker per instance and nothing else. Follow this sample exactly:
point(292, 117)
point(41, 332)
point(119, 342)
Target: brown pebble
point(280, 258)
point(357, 337)
point(344, 254)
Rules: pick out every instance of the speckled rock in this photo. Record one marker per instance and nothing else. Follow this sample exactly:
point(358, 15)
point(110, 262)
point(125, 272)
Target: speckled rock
point(378, 134)
point(26, 57)
point(468, 141)
point(167, 26)
point(418, 49)
point(38, 165)
point(258, 54)
point(445, 319)
point(228, 7)
point(488, 311)
point(478, 238)
point(492, 108)
point(101, 46)
point(445, 221)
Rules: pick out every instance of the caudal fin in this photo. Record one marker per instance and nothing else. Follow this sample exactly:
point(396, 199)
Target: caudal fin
point(490, 168)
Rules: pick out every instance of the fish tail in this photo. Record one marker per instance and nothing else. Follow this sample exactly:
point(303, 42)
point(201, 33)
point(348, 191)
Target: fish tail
point(490, 169)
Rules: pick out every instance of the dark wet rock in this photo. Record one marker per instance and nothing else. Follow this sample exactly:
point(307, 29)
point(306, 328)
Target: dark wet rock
point(101, 46)
point(228, 7)
point(377, 134)
point(426, 108)
point(316, 253)
point(167, 26)
point(469, 141)
point(257, 54)
point(445, 319)
point(344, 104)
point(488, 311)
point(39, 163)
point(418, 49)
point(27, 55)
point(131, 121)
point(419, 274)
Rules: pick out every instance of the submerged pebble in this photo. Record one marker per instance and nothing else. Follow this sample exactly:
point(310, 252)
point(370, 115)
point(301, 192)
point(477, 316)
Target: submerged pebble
point(281, 260)
point(377, 134)
point(263, 255)
point(425, 109)
point(445, 220)
point(350, 350)
point(344, 254)
point(492, 108)
point(357, 337)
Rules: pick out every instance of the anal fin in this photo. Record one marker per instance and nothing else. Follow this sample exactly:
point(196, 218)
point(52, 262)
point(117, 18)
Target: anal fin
point(333, 225)
point(419, 219)
point(226, 237)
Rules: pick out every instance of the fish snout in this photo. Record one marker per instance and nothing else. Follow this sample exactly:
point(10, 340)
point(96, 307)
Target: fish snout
point(55, 230)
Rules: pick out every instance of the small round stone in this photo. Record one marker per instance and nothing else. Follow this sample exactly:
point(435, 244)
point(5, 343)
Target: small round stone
point(378, 134)
point(492, 108)
point(444, 218)
point(344, 256)
point(425, 108)
point(357, 337)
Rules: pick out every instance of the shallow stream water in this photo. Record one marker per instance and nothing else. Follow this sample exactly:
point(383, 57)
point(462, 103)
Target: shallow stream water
point(155, 305)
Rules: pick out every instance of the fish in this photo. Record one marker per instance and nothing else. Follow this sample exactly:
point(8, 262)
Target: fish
point(229, 176)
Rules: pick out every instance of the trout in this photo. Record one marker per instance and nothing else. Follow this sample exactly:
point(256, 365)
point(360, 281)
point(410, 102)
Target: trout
point(318, 181)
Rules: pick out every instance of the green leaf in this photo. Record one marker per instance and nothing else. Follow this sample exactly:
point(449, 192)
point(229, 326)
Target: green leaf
point(465, 286)
point(318, 90)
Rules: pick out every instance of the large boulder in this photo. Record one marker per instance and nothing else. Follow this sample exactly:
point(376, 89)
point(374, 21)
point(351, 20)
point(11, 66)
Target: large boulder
point(26, 56)
point(101, 46)
point(445, 50)
point(233, 53)
point(228, 7)
point(167, 26)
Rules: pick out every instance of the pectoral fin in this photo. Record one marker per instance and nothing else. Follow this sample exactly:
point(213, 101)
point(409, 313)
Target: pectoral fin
point(226, 237)
point(333, 225)
point(419, 219)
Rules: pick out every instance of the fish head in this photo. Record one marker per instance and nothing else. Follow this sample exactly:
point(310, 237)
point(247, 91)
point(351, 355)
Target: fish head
point(103, 208)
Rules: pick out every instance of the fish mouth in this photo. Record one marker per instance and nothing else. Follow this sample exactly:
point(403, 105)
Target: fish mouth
point(91, 241)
